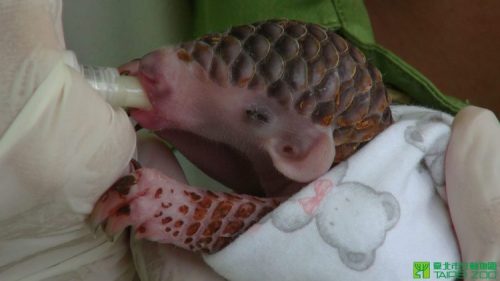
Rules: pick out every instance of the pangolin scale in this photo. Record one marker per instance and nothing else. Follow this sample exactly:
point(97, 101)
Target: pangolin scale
point(307, 68)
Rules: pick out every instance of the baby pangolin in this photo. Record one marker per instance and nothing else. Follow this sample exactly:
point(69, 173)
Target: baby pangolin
point(264, 108)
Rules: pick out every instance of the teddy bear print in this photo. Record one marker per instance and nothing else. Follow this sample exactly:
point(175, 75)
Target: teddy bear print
point(415, 134)
point(433, 149)
point(351, 217)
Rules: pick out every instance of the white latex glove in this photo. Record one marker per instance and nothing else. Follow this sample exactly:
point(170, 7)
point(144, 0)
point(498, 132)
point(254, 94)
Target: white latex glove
point(61, 147)
point(473, 184)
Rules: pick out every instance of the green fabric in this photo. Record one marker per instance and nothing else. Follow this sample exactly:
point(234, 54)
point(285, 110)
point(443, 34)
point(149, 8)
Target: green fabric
point(354, 18)
point(218, 15)
point(348, 17)
point(356, 27)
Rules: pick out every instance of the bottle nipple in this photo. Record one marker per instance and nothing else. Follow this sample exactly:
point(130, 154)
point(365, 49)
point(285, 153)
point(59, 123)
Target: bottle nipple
point(117, 90)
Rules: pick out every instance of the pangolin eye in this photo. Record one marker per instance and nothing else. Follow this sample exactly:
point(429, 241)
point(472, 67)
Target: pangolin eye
point(258, 115)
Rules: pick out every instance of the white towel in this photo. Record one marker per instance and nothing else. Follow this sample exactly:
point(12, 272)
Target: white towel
point(369, 218)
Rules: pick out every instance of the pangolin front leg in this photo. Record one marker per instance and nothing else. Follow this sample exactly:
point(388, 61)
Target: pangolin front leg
point(292, 98)
point(164, 210)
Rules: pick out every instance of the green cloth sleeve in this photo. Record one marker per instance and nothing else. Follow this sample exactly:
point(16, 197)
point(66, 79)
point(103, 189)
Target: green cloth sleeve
point(348, 17)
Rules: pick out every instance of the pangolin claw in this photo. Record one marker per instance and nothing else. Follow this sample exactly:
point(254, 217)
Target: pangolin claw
point(113, 202)
point(161, 209)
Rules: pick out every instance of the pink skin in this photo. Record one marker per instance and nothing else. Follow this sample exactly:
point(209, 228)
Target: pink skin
point(159, 260)
point(186, 104)
point(164, 210)
point(209, 124)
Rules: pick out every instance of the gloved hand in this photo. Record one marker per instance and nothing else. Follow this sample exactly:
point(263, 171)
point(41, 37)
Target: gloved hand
point(61, 147)
point(473, 184)
point(54, 127)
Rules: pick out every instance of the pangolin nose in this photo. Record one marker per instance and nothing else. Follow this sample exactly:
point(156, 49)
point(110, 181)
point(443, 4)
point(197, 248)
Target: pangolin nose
point(130, 68)
point(148, 72)
point(148, 76)
point(150, 66)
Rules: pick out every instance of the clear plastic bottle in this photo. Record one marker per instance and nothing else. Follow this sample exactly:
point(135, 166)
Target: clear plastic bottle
point(116, 89)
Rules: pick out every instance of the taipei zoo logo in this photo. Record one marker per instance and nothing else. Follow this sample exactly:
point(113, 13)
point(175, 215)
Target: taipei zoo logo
point(421, 270)
point(455, 270)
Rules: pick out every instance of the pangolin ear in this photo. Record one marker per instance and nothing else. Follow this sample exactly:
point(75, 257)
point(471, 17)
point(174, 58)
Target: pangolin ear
point(302, 160)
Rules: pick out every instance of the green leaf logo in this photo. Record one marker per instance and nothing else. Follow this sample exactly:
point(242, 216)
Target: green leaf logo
point(421, 270)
